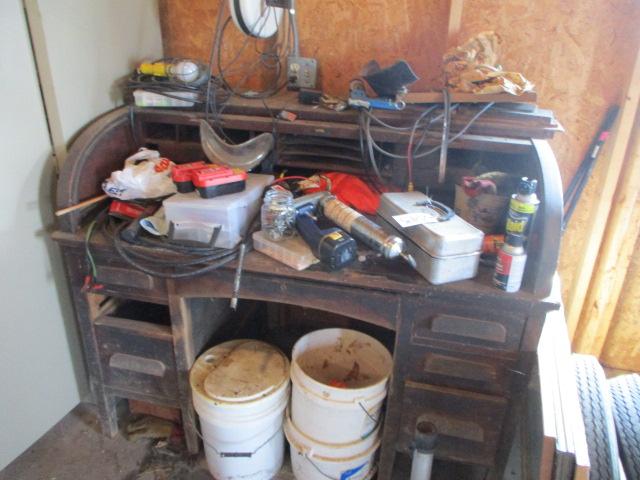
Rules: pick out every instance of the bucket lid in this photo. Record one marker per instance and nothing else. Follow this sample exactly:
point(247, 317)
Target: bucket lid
point(241, 371)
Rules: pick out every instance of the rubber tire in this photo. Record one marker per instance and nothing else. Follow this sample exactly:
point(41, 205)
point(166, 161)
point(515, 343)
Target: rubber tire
point(595, 403)
point(625, 396)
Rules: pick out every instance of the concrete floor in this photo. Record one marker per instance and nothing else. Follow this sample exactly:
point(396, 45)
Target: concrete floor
point(75, 449)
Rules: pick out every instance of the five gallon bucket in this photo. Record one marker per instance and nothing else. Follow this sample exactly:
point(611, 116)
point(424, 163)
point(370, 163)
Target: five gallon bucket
point(313, 460)
point(339, 379)
point(240, 391)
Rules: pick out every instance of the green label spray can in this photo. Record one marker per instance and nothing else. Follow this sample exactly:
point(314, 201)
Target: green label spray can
point(522, 208)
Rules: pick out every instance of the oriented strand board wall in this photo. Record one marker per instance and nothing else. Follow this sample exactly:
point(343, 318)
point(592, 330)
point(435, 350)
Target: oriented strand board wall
point(578, 53)
point(342, 34)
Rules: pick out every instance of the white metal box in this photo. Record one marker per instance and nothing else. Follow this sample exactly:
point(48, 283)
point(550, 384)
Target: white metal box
point(445, 251)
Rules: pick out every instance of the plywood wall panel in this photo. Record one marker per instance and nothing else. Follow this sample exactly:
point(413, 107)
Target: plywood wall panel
point(342, 34)
point(579, 55)
point(345, 34)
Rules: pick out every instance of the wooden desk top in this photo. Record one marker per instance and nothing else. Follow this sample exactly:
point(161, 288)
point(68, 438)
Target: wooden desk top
point(374, 274)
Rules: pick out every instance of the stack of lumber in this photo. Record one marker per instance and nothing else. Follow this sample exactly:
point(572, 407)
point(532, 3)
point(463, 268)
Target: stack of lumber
point(556, 433)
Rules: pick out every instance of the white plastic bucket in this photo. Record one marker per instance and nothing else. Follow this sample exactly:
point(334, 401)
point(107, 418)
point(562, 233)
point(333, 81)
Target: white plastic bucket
point(240, 391)
point(312, 460)
point(340, 380)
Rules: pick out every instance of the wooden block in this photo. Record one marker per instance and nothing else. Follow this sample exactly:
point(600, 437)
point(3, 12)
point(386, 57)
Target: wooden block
point(459, 97)
point(144, 408)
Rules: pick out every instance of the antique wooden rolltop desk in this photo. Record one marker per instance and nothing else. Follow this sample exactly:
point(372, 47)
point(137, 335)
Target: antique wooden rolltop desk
point(462, 352)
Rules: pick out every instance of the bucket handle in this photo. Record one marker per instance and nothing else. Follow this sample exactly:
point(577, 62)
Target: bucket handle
point(345, 475)
point(231, 454)
point(376, 421)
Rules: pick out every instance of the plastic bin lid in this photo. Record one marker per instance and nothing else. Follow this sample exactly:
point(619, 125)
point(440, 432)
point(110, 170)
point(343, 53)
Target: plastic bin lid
point(243, 370)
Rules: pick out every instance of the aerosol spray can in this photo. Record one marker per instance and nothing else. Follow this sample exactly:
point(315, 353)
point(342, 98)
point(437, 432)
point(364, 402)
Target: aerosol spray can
point(522, 208)
point(510, 264)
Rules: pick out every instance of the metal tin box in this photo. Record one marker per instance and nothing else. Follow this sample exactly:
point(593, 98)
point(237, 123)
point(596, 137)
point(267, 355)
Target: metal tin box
point(445, 251)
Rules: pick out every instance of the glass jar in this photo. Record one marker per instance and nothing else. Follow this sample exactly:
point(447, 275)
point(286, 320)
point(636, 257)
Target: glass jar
point(278, 216)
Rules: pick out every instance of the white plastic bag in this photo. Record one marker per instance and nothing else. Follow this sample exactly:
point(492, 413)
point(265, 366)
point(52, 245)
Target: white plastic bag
point(145, 175)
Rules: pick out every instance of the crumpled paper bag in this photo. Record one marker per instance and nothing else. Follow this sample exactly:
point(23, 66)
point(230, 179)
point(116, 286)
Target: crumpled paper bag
point(474, 68)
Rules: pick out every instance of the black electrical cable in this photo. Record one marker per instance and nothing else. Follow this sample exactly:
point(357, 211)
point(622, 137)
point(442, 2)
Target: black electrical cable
point(364, 157)
point(372, 158)
point(379, 121)
point(436, 148)
point(369, 146)
point(444, 145)
point(182, 257)
point(209, 263)
point(378, 148)
point(275, 52)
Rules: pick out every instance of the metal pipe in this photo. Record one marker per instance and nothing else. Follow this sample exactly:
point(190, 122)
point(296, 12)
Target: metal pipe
point(425, 439)
point(294, 29)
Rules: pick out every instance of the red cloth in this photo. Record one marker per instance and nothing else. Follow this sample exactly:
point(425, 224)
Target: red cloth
point(350, 190)
point(474, 186)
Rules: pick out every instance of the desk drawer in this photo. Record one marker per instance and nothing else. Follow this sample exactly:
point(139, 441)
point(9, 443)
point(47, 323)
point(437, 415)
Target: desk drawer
point(463, 328)
point(477, 373)
point(137, 354)
point(468, 424)
point(120, 279)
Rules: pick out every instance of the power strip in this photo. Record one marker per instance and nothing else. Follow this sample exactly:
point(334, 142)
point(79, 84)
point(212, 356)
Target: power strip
point(302, 72)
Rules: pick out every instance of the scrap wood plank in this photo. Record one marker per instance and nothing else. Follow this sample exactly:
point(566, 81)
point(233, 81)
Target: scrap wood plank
point(614, 258)
point(455, 22)
point(564, 449)
point(564, 454)
point(598, 219)
point(570, 403)
point(462, 97)
point(547, 380)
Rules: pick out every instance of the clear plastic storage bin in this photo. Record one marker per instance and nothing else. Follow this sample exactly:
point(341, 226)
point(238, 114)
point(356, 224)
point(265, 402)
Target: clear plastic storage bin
point(233, 213)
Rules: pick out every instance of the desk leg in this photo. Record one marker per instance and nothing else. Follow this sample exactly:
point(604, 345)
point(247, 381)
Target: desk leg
point(390, 432)
point(394, 406)
point(86, 309)
point(182, 329)
point(107, 410)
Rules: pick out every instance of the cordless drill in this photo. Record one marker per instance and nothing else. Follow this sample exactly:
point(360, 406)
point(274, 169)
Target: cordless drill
point(332, 246)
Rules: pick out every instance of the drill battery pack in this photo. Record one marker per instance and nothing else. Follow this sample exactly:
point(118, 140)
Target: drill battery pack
point(182, 175)
point(210, 180)
point(219, 180)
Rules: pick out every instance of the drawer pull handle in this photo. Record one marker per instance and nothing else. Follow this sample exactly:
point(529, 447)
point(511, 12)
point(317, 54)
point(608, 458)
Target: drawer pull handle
point(464, 369)
point(137, 364)
point(464, 327)
point(123, 277)
point(454, 428)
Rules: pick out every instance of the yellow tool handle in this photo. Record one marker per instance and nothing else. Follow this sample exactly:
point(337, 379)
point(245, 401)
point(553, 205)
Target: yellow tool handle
point(157, 69)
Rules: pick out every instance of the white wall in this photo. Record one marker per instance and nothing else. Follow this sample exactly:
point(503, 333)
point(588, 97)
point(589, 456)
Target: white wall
point(89, 44)
point(90, 47)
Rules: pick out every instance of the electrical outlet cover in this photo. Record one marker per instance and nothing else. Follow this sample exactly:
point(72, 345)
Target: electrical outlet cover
point(302, 72)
